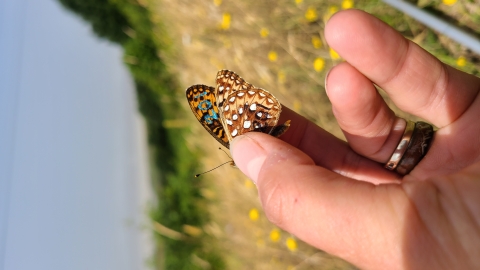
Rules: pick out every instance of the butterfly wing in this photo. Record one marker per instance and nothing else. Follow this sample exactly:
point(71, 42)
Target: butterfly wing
point(252, 110)
point(201, 99)
point(227, 83)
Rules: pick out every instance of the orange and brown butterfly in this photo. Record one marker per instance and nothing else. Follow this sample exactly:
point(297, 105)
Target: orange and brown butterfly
point(235, 107)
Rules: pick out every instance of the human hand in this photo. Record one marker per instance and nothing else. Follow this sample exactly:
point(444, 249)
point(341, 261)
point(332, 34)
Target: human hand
point(309, 182)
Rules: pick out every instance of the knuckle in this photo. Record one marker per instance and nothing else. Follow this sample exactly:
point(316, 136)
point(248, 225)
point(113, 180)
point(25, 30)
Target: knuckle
point(276, 198)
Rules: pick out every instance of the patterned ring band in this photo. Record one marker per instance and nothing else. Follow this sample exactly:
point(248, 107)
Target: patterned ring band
point(417, 148)
point(412, 148)
point(401, 147)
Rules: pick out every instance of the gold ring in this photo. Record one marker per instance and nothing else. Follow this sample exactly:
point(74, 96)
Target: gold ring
point(401, 147)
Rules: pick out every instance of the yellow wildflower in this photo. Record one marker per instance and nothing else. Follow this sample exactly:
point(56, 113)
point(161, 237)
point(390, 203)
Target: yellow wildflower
point(318, 64)
point(316, 42)
point(249, 183)
point(275, 235)
point(449, 2)
point(347, 4)
point(311, 14)
point(254, 214)
point(272, 56)
point(226, 19)
point(334, 55)
point(461, 61)
point(264, 32)
point(298, 2)
point(217, 2)
point(291, 244)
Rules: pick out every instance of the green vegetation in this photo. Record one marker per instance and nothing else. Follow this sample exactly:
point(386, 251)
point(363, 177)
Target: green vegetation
point(277, 45)
point(179, 201)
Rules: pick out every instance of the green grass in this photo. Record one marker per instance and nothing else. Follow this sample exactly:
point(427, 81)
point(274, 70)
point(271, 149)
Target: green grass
point(179, 200)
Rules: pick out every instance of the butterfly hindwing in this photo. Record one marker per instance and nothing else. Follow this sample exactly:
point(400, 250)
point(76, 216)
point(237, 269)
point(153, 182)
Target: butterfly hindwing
point(202, 101)
point(227, 83)
point(250, 110)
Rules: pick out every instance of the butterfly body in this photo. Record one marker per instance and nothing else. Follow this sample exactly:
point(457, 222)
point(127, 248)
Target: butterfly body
point(235, 107)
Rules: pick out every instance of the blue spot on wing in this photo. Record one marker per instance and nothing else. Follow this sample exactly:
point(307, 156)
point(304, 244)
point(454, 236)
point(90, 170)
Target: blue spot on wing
point(207, 108)
point(204, 105)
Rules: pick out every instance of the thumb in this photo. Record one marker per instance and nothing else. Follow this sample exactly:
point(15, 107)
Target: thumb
point(255, 153)
point(321, 207)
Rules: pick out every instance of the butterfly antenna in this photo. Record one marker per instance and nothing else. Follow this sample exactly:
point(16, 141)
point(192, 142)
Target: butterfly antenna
point(219, 148)
point(197, 175)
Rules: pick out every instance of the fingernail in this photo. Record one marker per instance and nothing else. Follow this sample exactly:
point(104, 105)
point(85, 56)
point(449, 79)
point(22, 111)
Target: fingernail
point(248, 155)
point(326, 80)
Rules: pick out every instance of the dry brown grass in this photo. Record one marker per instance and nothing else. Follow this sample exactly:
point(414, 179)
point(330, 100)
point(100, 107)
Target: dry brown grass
point(204, 47)
point(204, 43)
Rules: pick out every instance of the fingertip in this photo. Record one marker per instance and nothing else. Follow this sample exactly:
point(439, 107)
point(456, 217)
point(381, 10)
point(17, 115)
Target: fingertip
point(334, 29)
point(257, 154)
point(248, 155)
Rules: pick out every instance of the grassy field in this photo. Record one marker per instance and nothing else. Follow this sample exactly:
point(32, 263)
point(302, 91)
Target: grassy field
point(279, 46)
point(216, 221)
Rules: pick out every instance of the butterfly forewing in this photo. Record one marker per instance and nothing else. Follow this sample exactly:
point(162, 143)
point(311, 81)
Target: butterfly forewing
point(201, 99)
point(250, 110)
point(227, 83)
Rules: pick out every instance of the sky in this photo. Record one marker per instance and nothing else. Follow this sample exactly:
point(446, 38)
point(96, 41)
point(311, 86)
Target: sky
point(74, 183)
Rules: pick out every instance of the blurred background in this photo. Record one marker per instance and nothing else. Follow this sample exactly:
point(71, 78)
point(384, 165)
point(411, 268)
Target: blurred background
point(98, 147)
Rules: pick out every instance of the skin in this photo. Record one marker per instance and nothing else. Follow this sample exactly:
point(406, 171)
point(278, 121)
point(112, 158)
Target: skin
point(338, 197)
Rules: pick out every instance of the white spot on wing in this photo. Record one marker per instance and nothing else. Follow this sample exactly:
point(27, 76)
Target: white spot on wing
point(229, 122)
point(234, 133)
point(240, 94)
point(262, 94)
point(232, 99)
point(240, 110)
point(226, 108)
point(270, 100)
point(259, 114)
point(235, 117)
point(253, 107)
point(247, 124)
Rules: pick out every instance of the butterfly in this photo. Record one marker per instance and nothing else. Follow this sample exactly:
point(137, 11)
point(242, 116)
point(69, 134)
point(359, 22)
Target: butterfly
point(235, 107)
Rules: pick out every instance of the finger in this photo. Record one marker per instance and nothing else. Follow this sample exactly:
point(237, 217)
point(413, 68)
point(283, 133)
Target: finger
point(330, 152)
point(324, 209)
point(415, 80)
point(370, 126)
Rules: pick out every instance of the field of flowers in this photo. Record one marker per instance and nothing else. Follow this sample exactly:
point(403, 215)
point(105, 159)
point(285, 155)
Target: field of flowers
point(278, 46)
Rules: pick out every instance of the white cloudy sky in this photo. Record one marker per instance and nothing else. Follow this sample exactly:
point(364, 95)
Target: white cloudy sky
point(73, 175)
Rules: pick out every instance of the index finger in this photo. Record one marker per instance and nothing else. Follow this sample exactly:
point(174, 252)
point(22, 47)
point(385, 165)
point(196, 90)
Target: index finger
point(330, 152)
point(415, 80)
